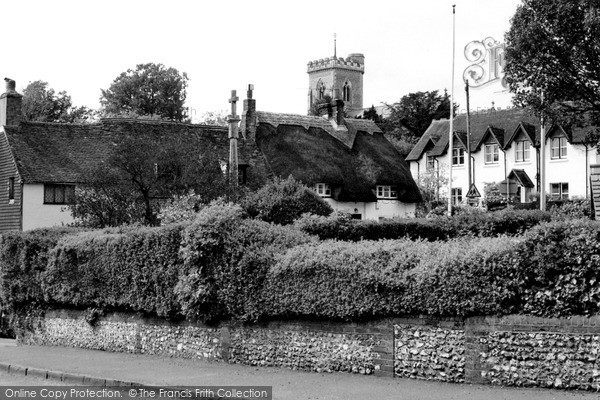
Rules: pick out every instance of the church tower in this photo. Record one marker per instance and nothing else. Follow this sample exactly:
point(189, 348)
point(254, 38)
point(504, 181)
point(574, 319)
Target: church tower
point(340, 78)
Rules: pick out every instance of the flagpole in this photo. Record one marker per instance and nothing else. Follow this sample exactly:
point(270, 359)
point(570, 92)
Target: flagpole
point(451, 133)
point(542, 188)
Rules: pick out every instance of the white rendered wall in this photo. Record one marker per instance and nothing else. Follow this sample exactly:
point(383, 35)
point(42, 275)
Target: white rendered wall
point(36, 214)
point(573, 169)
point(374, 210)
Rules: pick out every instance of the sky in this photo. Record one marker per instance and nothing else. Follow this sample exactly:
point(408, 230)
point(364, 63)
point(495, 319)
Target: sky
point(82, 46)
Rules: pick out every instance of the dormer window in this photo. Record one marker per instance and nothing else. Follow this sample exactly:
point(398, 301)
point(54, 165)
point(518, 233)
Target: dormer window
point(387, 192)
point(458, 156)
point(522, 151)
point(430, 163)
point(558, 147)
point(492, 155)
point(323, 189)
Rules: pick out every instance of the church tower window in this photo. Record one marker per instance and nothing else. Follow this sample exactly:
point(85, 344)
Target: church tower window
point(346, 91)
point(321, 90)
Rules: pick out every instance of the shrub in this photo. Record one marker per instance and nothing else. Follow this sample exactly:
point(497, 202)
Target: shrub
point(226, 259)
point(180, 208)
point(284, 200)
point(571, 209)
point(133, 269)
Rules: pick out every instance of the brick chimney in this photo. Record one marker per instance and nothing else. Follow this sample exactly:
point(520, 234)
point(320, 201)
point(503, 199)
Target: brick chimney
point(10, 104)
point(248, 123)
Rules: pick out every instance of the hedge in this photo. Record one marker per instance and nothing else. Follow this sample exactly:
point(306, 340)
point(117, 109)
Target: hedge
point(551, 270)
point(560, 267)
point(23, 258)
point(226, 266)
point(226, 259)
point(365, 280)
point(475, 223)
point(133, 270)
point(207, 270)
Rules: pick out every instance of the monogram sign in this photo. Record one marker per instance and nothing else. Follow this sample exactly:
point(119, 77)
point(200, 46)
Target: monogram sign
point(487, 62)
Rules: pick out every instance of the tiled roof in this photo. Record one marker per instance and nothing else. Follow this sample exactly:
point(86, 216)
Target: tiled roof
point(496, 133)
point(503, 124)
point(63, 153)
point(521, 176)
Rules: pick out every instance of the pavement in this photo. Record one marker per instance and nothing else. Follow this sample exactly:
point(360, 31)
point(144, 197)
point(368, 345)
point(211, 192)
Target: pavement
point(74, 366)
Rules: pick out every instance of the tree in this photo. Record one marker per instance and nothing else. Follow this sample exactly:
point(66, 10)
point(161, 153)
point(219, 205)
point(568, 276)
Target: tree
point(149, 90)
point(430, 183)
point(319, 106)
point(552, 48)
point(218, 118)
point(144, 171)
point(43, 104)
point(106, 200)
point(415, 111)
point(282, 201)
point(372, 114)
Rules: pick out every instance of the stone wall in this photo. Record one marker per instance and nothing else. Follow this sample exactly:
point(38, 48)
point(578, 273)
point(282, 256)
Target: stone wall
point(310, 347)
point(319, 347)
point(510, 351)
point(557, 353)
point(432, 353)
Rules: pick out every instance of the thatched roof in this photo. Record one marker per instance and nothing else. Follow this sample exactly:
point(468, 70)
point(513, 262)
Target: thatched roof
point(352, 158)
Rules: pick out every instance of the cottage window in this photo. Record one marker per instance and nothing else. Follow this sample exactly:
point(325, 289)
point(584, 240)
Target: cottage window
point(559, 191)
point(323, 190)
point(387, 192)
point(457, 196)
point(11, 189)
point(430, 163)
point(59, 194)
point(492, 155)
point(558, 146)
point(522, 151)
point(458, 156)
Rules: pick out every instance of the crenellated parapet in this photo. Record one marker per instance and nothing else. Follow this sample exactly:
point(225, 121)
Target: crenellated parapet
point(354, 62)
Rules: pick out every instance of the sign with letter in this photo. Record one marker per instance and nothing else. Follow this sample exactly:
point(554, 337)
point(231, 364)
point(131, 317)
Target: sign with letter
point(487, 62)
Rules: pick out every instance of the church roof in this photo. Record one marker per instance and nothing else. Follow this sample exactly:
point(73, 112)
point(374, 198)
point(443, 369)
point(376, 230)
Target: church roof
point(352, 159)
point(63, 153)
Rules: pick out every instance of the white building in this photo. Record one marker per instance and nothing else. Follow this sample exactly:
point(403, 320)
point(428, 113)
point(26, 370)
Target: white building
point(505, 147)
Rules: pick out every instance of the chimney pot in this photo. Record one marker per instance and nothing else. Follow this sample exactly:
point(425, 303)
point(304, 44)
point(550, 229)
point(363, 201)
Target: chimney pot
point(11, 85)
